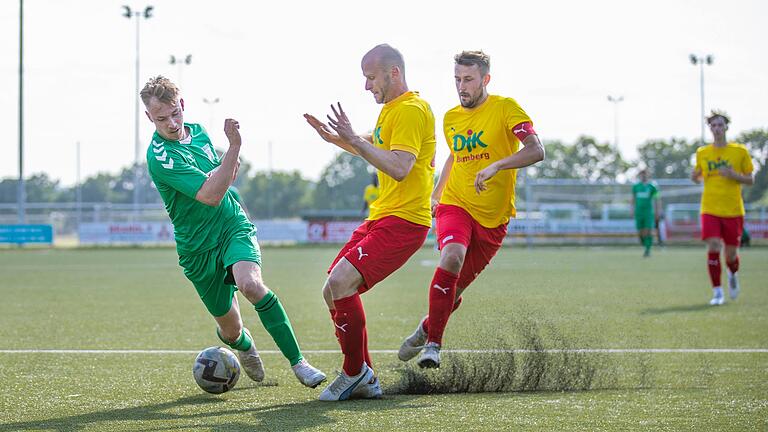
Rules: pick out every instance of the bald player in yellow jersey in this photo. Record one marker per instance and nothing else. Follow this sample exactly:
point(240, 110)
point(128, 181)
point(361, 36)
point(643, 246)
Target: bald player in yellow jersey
point(723, 167)
point(475, 195)
point(402, 148)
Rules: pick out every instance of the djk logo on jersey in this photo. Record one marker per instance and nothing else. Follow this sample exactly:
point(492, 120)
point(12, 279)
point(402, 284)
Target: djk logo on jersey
point(470, 141)
point(377, 136)
point(716, 165)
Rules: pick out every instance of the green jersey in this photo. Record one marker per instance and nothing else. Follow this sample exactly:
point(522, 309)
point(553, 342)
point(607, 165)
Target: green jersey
point(644, 194)
point(179, 169)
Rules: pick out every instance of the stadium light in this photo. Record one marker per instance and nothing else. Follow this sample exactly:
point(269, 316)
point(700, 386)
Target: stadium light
point(138, 15)
point(181, 61)
point(615, 100)
point(211, 103)
point(701, 61)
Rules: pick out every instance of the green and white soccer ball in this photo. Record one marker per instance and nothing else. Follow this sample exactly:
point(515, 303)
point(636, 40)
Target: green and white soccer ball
point(216, 370)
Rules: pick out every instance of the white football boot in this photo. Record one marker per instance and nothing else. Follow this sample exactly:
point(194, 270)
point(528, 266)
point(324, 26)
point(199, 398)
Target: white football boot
point(413, 344)
point(251, 362)
point(430, 357)
point(307, 374)
point(717, 297)
point(344, 385)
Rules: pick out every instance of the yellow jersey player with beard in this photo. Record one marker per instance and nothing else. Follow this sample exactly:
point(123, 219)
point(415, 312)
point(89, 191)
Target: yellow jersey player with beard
point(475, 194)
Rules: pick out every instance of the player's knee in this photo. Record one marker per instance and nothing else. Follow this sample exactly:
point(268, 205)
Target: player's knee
point(452, 262)
point(338, 285)
point(253, 289)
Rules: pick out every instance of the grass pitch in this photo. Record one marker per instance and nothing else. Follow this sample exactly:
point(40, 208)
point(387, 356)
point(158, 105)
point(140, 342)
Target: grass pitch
point(548, 302)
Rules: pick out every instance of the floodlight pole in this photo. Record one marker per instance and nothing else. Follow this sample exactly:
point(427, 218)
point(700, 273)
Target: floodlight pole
point(616, 100)
point(700, 61)
point(146, 14)
point(21, 192)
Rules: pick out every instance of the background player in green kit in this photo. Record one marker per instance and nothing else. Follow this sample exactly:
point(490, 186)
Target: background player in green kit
point(645, 207)
point(215, 241)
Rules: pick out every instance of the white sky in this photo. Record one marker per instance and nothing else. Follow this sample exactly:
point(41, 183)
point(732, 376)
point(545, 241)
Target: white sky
point(269, 62)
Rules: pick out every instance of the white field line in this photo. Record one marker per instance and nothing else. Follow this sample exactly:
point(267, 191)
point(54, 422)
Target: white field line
point(458, 351)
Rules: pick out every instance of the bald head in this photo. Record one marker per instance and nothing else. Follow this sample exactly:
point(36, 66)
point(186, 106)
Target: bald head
point(384, 71)
point(385, 57)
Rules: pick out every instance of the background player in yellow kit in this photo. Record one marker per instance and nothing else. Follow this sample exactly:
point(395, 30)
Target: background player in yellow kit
point(723, 167)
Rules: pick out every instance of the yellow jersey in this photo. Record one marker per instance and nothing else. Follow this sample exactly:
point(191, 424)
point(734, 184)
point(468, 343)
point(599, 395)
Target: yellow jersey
point(406, 124)
point(478, 137)
point(371, 194)
point(722, 196)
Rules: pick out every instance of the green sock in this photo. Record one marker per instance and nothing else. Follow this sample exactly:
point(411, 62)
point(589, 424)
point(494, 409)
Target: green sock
point(275, 320)
point(243, 343)
point(647, 242)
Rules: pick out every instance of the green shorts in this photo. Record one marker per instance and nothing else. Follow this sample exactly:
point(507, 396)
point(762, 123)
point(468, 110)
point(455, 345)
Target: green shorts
point(207, 270)
point(645, 221)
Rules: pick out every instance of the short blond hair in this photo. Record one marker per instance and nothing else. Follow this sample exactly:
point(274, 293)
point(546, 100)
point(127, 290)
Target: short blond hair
point(161, 88)
point(474, 58)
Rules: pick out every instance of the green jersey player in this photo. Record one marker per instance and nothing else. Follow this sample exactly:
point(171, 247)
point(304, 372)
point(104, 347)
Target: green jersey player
point(215, 241)
point(645, 196)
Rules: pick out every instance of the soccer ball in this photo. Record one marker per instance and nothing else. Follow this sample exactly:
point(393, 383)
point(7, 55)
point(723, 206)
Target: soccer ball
point(216, 370)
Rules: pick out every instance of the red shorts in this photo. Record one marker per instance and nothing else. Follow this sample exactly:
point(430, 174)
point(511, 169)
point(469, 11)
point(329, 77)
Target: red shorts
point(456, 225)
point(377, 248)
point(727, 228)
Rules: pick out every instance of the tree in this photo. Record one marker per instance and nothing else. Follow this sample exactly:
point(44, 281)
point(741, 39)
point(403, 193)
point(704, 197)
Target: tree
point(280, 195)
point(756, 141)
point(668, 159)
point(38, 188)
point(342, 183)
point(586, 159)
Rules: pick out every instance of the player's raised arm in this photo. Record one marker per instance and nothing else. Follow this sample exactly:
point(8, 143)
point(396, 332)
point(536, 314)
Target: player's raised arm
point(395, 163)
point(215, 187)
point(532, 152)
point(327, 134)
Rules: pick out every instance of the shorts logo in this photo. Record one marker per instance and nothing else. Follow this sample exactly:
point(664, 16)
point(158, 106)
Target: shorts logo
point(441, 289)
point(341, 327)
point(360, 251)
point(450, 237)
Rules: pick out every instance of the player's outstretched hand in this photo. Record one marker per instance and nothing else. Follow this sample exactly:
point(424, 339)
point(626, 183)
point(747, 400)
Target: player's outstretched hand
point(232, 131)
point(484, 175)
point(322, 129)
point(341, 124)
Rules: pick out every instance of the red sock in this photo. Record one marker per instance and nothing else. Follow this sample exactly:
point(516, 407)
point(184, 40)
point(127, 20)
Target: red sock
point(733, 266)
point(425, 324)
point(366, 354)
point(350, 326)
point(713, 263)
point(442, 293)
